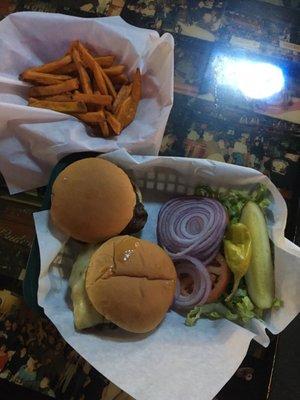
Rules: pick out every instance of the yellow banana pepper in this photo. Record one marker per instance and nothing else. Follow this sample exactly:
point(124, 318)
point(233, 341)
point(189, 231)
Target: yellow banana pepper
point(238, 250)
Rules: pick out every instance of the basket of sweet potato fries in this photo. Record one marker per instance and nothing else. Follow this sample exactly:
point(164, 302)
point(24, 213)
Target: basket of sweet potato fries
point(90, 87)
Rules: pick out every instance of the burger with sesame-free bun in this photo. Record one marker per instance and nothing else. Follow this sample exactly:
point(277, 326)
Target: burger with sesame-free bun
point(126, 281)
point(93, 200)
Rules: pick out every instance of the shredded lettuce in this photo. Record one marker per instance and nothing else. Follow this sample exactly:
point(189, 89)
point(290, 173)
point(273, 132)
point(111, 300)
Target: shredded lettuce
point(242, 306)
point(239, 309)
point(211, 311)
point(261, 196)
point(277, 303)
point(234, 200)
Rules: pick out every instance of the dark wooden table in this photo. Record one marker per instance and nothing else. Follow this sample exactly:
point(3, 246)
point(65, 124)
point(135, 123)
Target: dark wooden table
point(208, 120)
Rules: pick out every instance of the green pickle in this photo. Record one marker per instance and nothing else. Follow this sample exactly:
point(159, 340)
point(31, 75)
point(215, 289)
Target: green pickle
point(260, 275)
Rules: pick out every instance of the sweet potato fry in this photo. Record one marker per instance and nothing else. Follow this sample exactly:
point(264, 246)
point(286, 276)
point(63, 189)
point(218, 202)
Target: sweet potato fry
point(63, 87)
point(96, 107)
point(119, 79)
point(67, 69)
point(113, 122)
point(95, 87)
point(114, 70)
point(73, 45)
point(109, 85)
point(53, 65)
point(102, 125)
point(122, 95)
point(59, 97)
point(42, 78)
point(103, 61)
point(83, 75)
point(100, 79)
point(92, 64)
point(91, 117)
point(104, 128)
point(127, 111)
point(61, 106)
point(101, 100)
point(136, 92)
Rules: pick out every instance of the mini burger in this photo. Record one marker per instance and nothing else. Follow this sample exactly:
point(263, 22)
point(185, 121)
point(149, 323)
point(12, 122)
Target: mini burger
point(126, 281)
point(93, 200)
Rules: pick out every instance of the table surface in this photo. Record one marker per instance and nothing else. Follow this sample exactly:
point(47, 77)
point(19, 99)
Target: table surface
point(211, 118)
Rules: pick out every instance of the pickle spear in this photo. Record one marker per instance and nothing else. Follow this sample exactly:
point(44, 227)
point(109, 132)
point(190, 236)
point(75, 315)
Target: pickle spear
point(260, 275)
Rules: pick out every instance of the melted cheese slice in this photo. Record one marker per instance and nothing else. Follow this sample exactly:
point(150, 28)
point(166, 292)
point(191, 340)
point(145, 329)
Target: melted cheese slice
point(85, 316)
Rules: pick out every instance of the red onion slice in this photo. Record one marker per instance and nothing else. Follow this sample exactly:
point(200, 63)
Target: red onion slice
point(192, 226)
point(201, 279)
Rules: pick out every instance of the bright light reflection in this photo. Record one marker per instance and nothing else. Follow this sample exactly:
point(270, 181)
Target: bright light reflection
point(257, 80)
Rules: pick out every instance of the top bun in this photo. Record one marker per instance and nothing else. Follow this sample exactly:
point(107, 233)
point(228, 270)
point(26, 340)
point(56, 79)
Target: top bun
point(131, 282)
point(92, 200)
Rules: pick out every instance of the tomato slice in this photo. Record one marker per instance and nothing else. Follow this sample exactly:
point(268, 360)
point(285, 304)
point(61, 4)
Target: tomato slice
point(220, 276)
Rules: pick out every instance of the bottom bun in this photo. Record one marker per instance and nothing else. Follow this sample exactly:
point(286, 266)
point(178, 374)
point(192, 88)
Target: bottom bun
point(131, 282)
